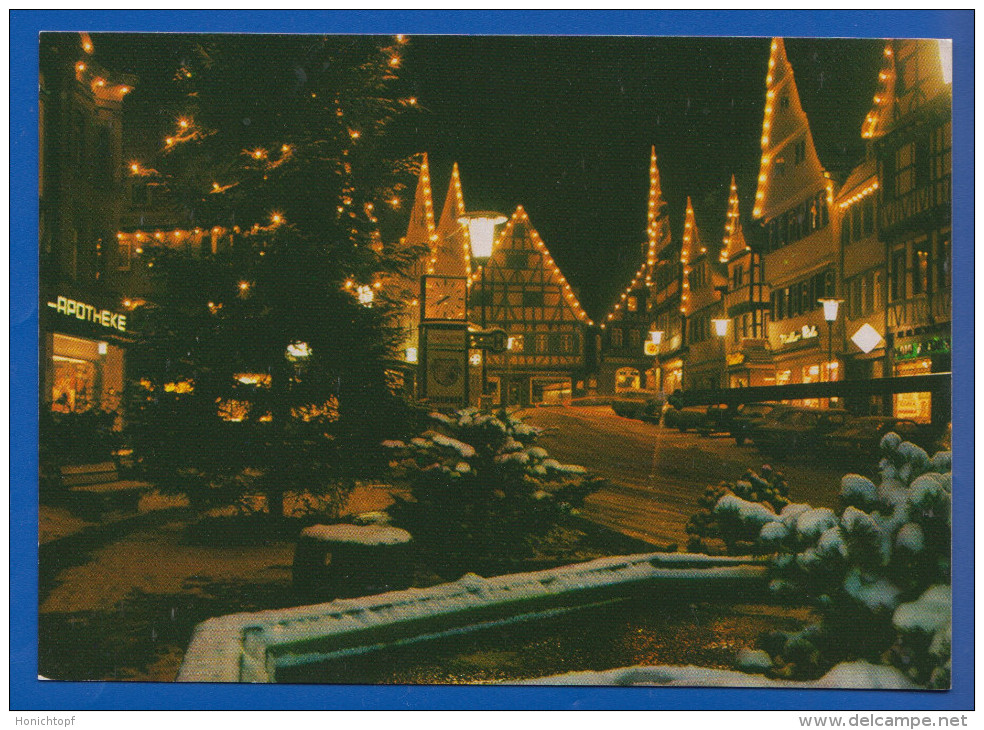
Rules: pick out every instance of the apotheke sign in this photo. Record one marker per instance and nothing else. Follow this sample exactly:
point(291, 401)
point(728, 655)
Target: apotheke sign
point(89, 313)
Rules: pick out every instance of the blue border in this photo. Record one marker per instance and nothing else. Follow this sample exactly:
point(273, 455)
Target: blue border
point(27, 693)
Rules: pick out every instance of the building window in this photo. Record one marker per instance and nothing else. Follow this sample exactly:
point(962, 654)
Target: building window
point(516, 343)
point(920, 267)
point(566, 343)
point(617, 337)
point(632, 304)
point(940, 141)
point(540, 343)
point(905, 169)
point(897, 286)
point(635, 342)
point(943, 262)
point(878, 293)
point(800, 151)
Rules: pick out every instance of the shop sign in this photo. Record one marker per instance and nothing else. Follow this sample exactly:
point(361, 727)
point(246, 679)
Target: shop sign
point(807, 332)
point(89, 313)
point(932, 346)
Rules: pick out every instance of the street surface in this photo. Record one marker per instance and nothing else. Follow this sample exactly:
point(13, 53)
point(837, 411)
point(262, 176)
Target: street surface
point(657, 474)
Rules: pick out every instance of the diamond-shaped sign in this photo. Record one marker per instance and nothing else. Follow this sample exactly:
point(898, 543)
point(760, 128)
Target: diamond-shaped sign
point(867, 338)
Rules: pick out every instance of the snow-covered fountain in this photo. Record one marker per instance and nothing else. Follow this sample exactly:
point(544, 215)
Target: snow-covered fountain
point(260, 647)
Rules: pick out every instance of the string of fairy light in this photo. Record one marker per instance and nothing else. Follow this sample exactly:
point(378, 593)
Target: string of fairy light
point(734, 240)
point(186, 130)
point(459, 208)
point(654, 212)
point(686, 250)
point(883, 97)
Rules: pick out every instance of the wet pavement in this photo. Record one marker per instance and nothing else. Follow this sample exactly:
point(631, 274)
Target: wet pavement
point(658, 474)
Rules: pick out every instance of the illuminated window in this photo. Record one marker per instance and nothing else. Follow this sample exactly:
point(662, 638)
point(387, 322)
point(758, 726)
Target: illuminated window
point(632, 304)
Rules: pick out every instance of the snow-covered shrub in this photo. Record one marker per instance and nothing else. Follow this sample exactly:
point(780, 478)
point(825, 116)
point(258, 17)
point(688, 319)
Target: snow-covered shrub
point(735, 512)
point(878, 573)
point(479, 485)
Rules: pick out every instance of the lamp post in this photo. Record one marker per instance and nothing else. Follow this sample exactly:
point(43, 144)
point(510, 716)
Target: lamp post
point(830, 307)
point(721, 330)
point(652, 348)
point(481, 227)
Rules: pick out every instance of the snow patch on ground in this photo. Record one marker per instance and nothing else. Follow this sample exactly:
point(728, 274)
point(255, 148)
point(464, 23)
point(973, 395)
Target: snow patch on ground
point(848, 675)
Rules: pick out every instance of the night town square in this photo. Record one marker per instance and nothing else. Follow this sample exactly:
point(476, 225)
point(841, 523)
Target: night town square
point(432, 359)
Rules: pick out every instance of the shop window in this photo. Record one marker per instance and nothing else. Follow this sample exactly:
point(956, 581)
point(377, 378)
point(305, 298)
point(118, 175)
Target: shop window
point(627, 379)
point(85, 375)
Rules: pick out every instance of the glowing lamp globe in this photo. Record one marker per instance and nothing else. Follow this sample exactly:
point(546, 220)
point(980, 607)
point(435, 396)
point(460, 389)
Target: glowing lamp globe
point(720, 326)
point(481, 231)
point(656, 336)
point(866, 338)
point(830, 307)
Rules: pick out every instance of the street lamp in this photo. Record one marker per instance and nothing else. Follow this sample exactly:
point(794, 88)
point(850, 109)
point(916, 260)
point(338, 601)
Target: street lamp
point(830, 307)
point(652, 349)
point(721, 330)
point(481, 227)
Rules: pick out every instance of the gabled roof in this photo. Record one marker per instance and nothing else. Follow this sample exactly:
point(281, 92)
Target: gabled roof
point(734, 242)
point(658, 236)
point(789, 170)
point(896, 97)
point(453, 255)
point(520, 218)
point(691, 243)
point(421, 230)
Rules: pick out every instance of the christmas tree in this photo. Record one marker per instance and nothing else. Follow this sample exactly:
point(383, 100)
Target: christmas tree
point(268, 356)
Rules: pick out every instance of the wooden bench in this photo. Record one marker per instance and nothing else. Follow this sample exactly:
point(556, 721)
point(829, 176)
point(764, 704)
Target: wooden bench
point(97, 488)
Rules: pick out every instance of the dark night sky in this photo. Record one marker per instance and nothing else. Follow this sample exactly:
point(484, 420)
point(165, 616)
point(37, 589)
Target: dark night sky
point(563, 126)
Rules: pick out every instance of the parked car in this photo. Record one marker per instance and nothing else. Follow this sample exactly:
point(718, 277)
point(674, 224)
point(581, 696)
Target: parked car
point(641, 405)
point(717, 419)
point(798, 429)
point(750, 415)
point(685, 419)
point(860, 437)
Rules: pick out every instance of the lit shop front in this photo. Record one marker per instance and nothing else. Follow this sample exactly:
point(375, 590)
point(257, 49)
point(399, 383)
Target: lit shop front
point(921, 357)
point(82, 355)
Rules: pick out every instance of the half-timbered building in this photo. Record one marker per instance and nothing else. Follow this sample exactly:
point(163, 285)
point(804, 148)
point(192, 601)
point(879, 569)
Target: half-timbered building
point(521, 290)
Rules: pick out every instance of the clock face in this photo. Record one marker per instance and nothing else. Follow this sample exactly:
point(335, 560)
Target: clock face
point(444, 297)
